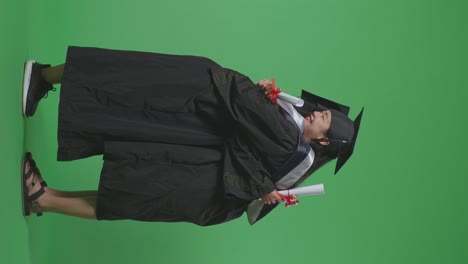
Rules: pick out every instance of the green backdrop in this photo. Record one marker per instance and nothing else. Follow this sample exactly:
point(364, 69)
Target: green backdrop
point(400, 199)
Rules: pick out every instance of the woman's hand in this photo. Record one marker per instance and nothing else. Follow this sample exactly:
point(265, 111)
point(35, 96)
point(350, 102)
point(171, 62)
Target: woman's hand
point(272, 198)
point(265, 85)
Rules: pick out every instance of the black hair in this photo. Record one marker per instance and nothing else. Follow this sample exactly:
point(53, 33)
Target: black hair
point(322, 149)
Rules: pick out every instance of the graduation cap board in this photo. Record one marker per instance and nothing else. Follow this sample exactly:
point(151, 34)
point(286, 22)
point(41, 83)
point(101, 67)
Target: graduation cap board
point(343, 132)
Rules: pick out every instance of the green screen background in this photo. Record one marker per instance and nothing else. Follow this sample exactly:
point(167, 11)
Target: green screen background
point(400, 199)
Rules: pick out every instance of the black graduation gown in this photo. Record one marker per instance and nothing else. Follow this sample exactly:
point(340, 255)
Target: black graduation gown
point(183, 138)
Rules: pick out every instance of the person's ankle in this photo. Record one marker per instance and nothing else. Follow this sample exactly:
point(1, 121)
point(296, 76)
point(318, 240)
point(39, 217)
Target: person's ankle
point(44, 201)
point(45, 76)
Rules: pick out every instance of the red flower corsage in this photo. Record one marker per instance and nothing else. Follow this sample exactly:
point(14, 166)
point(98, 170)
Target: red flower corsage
point(290, 200)
point(274, 92)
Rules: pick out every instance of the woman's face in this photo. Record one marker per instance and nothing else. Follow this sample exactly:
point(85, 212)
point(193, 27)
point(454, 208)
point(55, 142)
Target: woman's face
point(317, 125)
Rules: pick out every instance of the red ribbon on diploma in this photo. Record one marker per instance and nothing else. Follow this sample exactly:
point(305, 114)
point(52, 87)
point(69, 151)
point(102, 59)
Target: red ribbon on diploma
point(290, 200)
point(274, 92)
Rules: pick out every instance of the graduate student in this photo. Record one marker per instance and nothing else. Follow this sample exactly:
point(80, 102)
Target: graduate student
point(182, 138)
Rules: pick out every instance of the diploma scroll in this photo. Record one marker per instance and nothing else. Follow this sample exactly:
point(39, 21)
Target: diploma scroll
point(291, 99)
point(255, 207)
point(305, 191)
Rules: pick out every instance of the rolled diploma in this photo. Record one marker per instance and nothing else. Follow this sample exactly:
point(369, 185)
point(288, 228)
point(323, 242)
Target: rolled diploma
point(304, 191)
point(255, 207)
point(291, 99)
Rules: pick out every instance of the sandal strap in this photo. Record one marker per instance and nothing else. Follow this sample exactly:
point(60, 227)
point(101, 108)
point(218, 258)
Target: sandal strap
point(43, 183)
point(32, 164)
point(33, 199)
point(36, 195)
point(36, 208)
point(29, 173)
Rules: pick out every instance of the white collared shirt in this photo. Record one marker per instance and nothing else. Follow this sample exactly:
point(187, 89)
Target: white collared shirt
point(295, 174)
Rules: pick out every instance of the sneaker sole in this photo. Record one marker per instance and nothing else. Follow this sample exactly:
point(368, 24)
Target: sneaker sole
point(26, 81)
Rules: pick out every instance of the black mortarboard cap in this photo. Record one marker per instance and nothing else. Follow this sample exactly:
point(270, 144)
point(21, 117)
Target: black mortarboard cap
point(345, 149)
point(342, 133)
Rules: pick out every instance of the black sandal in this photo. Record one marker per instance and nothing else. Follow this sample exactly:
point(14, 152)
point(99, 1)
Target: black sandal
point(30, 200)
